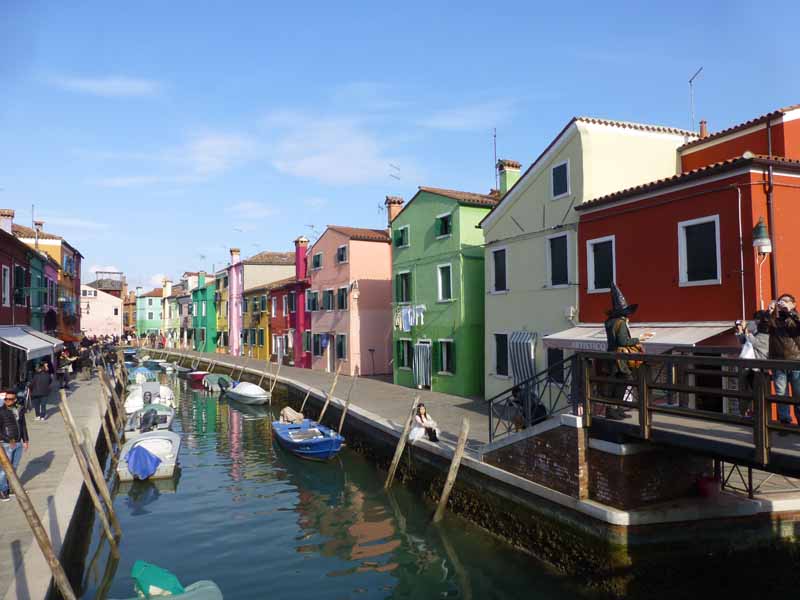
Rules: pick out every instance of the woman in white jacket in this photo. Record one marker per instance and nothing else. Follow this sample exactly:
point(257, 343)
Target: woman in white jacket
point(423, 425)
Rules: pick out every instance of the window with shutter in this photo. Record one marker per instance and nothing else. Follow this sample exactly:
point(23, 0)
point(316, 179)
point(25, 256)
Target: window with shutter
point(499, 276)
point(444, 225)
point(699, 253)
point(558, 260)
point(341, 347)
point(600, 264)
point(501, 354)
point(403, 287)
point(446, 357)
point(445, 282)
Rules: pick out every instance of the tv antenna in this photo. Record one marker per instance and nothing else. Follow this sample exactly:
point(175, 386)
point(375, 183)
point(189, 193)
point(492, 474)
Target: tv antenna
point(395, 173)
point(494, 165)
point(691, 97)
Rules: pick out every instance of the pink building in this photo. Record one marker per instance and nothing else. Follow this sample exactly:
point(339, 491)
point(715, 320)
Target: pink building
point(351, 301)
point(101, 313)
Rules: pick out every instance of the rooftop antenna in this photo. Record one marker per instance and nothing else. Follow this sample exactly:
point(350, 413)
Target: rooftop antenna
point(494, 165)
point(691, 97)
point(396, 174)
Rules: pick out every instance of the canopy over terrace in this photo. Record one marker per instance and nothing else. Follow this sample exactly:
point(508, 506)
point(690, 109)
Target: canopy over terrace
point(34, 344)
point(666, 336)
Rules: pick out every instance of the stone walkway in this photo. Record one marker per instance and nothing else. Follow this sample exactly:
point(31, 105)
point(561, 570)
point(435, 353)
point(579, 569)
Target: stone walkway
point(52, 479)
point(392, 402)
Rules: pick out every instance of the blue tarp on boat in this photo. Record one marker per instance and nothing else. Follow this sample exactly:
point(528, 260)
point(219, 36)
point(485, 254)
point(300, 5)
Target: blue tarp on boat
point(141, 462)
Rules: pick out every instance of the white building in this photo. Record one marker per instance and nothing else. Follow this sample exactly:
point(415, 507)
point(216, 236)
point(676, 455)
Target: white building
point(101, 313)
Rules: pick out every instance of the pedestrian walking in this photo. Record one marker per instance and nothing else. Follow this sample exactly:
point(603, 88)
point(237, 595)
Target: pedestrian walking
point(40, 390)
point(13, 436)
point(784, 344)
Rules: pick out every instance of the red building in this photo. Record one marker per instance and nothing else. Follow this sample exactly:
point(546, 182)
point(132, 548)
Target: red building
point(14, 276)
point(288, 317)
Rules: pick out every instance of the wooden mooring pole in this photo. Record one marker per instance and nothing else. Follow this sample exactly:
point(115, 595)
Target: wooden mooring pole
point(347, 402)
point(59, 576)
point(451, 475)
point(401, 444)
point(274, 382)
point(103, 422)
point(303, 405)
point(329, 395)
point(99, 478)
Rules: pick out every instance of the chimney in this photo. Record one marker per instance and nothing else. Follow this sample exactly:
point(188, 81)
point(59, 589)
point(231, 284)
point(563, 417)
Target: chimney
point(394, 204)
point(166, 288)
point(234, 255)
point(509, 174)
point(38, 226)
point(703, 128)
point(6, 219)
point(300, 265)
point(138, 291)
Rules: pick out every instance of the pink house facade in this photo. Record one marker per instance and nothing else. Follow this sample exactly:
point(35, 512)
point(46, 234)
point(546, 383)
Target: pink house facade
point(350, 299)
point(101, 313)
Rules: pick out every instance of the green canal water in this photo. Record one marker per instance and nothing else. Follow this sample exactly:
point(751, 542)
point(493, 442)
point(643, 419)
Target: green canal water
point(263, 524)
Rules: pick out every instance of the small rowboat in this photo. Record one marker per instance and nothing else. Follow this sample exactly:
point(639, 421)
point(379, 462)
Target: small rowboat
point(197, 376)
point(162, 445)
point(309, 439)
point(149, 418)
point(246, 392)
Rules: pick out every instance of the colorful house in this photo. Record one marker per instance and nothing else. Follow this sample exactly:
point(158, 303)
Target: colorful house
point(221, 302)
point(129, 313)
point(171, 312)
point(531, 264)
point(258, 270)
point(437, 270)
point(148, 312)
point(204, 319)
point(101, 313)
point(350, 295)
point(43, 282)
point(14, 267)
point(282, 309)
point(255, 323)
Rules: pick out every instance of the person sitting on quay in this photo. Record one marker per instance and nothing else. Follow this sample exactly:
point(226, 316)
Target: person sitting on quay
point(14, 436)
point(423, 425)
point(40, 390)
point(784, 344)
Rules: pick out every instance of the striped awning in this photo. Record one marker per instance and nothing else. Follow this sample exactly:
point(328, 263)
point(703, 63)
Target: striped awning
point(521, 350)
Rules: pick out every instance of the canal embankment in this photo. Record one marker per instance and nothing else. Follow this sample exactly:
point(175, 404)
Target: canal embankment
point(550, 516)
point(52, 478)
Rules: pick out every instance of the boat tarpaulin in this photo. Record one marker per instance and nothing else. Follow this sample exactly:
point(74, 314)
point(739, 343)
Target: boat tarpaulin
point(20, 338)
point(141, 462)
point(665, 336)
point(521, 348)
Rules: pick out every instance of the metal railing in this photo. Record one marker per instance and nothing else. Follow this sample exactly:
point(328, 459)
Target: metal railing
point(533, 400)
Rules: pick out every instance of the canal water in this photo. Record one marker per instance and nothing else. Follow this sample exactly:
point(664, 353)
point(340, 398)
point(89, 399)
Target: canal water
point(263, 524)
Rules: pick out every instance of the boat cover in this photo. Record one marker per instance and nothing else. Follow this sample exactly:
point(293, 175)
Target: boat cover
point(155, 581)
point(141, 462)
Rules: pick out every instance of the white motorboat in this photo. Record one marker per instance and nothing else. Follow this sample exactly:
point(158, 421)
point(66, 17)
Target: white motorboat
point(150, 418)
point(248, 393)
point(161, 446)
point(137, 399)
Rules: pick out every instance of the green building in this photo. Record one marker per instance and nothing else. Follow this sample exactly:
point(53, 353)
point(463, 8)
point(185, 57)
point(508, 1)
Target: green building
point(438, 290)
point(204, 314)
point(39, 289)
point(148, 312)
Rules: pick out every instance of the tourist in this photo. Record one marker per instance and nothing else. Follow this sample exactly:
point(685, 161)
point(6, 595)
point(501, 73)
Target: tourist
point(14, 436)
point(40, 390)
point(423, 425)
point(784, 344)
point(754, 337)
point(618, 337)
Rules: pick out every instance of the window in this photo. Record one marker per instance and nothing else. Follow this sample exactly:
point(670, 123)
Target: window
point(555, 364)
point(316, 261)
point(6, 286)
point(264, 303)
point(403, 287)
point(261, 337)
point(698, 251)
point(252, 336)
point(501, 354)
point(445, 282)
point(317, 345)
point(558, 260)
point(244, 305)
point(405, 354)
point(116, 312)
point(224, 283)
point(444, 225)
point(499, 269)
point(341, 298)
point(274, 308)
point(559, 176)
point(150, 316)
point(306, 341)
point(312, 301)
point(327, 299)
point(275, 344)
point(204, 308)
point(341, 347)
point(83, 292)
point(256, 304)
point(285, 304)
point(292, 296)
point(447, 356)
point(401, 237)
point(341, 254)
point(149, 302)
point(600, 264)
point(244, 336)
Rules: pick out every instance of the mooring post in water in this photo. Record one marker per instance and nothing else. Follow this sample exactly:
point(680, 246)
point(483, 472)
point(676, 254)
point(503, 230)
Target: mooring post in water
point(347, 402)
point(263, 373)
point(59, 576)
point(401, 444)
point(211, 366)
point(119, 408)
point(303, 405)
point(329, 395)
point(99, 478)
point(274, 383)
point(451, 475)
point(87, 477)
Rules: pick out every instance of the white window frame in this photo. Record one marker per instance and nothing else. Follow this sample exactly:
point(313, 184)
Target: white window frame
point(441, 356)
point(446, 235)
point(313, 268)
point(346, 298)
point(439, 282)
point(494, 355)
point(149, 302)
point(404, 272)
point(333, 299)
point(569, 183)
point(294, 295)
point(491, 270)
point(151, 316)
point(682, 262)
point(203, 308)
point(285, 305)
point(590, 263)
point(6, 285)
point(549, 264)
point(273, 307)
point(346, 255)
point(408, 237)
point(310, 341)
point(411, 355)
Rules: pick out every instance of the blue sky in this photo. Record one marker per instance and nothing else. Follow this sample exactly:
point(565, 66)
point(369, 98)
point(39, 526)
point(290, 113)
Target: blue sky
point(155, 135)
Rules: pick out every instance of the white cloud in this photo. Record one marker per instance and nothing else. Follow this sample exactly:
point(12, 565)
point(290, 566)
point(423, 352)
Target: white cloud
point(217, 152)
point(157, 280)
point(96, 268)
point(253, 210)
point(471, 117)
point(112, 86)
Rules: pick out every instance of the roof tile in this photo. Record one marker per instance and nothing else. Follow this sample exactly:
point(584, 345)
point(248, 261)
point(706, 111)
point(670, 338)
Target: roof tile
point(362, 235)
point(723, 132)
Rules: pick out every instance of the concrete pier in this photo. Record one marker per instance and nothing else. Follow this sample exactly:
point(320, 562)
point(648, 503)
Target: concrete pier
point(52, 478)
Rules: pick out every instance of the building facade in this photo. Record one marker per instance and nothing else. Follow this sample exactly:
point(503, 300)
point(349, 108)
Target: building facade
point(255, 323)
point(531, 266)
point(129, 313)
point(282, 312)
point(221, 302)
point(148, 312)
point(437, 274)
point(204, 314)
point(14, 275)
point(101, 313)
point(350, 295)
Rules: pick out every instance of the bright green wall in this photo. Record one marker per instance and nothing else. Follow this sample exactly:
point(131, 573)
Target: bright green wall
point(205, 291)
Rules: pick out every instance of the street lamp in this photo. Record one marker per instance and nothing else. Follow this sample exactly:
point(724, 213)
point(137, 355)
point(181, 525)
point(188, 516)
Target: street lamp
point(761, 241)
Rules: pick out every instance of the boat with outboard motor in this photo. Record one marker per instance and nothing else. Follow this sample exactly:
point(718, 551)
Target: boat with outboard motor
point(212, 382)
point(196, 376)
point(150, 418)
point(154, 364)
point(153, 455)
point(308, 439)
point(245, 392)
point(141, 375)
point(137, 396)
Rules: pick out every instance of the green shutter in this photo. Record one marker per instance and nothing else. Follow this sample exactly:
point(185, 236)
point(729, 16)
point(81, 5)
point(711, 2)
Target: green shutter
point(436, 357)
point(453, 356)
point(439, 226)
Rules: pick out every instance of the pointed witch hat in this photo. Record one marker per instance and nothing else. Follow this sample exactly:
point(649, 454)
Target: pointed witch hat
point(620, 306)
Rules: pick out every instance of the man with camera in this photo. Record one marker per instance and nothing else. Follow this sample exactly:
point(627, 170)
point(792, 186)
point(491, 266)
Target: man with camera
point(784, 344)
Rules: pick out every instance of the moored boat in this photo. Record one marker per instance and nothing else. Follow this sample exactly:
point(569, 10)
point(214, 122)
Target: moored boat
point(150, 418)
point(136, 399)
point(308, 439)
point(154, 582)
point(153, 455)
point(215, 383)
point(141, 375)
point(246, 393)
point(197, 376)
point(154, 363)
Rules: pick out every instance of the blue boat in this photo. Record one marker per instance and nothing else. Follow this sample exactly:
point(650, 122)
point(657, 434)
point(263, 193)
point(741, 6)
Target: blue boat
point(308, 439)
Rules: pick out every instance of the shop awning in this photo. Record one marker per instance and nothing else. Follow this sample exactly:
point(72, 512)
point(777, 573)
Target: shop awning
point(667, 336)
point(521, 347)
point(33, 346)
point(57, 344)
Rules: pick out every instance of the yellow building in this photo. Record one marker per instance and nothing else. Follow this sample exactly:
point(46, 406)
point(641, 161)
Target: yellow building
point(531, 266)
point(255, 323)
point(222, 311)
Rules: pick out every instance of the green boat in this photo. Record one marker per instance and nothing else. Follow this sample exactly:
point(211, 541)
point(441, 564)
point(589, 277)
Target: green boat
point(212, 382)
point(151, 581)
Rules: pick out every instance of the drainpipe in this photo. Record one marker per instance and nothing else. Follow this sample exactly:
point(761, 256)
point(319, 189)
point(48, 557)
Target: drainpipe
point(741, 251)
point(773, 263)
